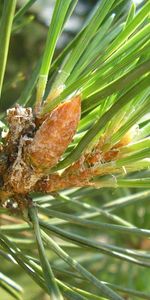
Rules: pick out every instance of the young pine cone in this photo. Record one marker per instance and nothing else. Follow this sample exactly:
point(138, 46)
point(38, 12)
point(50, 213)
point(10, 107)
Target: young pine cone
point(38, 154)
point(54, 135)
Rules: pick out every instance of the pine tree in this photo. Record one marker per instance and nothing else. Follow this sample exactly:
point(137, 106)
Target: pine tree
point(75, 157)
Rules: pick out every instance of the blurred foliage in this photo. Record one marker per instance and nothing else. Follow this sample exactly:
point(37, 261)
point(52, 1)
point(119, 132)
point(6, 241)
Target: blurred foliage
point(27, 44)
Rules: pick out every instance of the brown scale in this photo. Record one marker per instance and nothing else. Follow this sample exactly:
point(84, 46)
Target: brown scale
point(35, 144)
point(29, 151)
